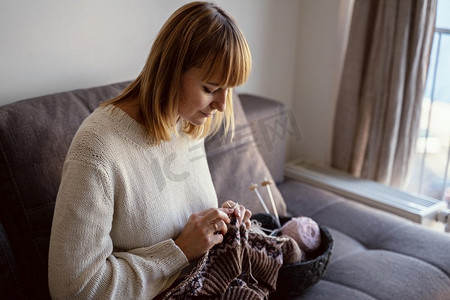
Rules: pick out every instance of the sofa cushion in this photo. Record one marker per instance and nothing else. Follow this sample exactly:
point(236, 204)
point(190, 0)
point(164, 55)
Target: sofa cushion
point(271, 125)
point(235, 163)
point(35, 135)
point(327, 290)
point(9, 281)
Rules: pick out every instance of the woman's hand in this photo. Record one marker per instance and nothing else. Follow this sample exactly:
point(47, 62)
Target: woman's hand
point(242, 214)
point(202, 231)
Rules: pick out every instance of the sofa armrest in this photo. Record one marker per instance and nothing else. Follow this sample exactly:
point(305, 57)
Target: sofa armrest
point(268, 120)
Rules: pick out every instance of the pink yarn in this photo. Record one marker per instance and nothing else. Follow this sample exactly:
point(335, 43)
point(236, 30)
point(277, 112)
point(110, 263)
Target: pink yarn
point(305, 231)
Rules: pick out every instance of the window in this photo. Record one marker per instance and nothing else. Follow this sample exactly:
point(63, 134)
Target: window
point(430, 170)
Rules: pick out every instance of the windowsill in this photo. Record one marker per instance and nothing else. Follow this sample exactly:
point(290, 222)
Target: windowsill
point(417, 208)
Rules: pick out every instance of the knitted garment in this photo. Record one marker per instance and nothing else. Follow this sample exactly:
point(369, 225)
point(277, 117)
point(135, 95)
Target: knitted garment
point(121, 202)
point(244, 266)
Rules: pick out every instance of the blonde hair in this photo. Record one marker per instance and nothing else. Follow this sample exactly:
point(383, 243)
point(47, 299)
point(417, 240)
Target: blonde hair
point(197, 35)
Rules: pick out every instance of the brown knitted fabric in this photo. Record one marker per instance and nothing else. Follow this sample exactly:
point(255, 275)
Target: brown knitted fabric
point(292, 252)
point(268, 253)
point(244, 266)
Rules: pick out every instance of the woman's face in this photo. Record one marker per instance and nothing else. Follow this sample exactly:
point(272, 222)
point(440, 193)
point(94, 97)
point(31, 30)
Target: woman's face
point(199, 100)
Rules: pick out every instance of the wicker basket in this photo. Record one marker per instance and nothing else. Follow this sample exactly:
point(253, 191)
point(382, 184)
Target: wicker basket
point(296, 278)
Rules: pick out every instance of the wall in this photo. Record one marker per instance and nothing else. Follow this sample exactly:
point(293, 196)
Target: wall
point(323, 33)
point(49, 46)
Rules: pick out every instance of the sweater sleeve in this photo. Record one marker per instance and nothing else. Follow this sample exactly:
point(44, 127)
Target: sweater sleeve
point(82, 261)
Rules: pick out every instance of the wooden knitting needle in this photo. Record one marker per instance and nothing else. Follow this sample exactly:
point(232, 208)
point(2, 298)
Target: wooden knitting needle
point(267, 184)
point(253, 187)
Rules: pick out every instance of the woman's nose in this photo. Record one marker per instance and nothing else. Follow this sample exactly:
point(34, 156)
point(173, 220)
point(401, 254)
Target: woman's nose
point(220, 100)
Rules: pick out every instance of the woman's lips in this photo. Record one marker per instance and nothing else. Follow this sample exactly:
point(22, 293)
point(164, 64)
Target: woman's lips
point(207, 114)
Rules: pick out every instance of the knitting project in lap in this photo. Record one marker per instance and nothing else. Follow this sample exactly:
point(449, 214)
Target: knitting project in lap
point(244, 266)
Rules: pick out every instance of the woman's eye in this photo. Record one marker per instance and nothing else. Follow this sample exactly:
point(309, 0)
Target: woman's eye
point(207, 90)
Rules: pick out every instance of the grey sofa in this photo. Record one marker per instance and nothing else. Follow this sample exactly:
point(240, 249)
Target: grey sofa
point(375, 255)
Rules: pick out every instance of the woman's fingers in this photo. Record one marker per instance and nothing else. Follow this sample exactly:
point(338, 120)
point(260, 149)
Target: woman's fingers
point(219, 214)
point(246, 219)
point(216, 212)
point(216, 239)
point(242, 214)
point(220, 227)
point(228, 204)
point(238, 210)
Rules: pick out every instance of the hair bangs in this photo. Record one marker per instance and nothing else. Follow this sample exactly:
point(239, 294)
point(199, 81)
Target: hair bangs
point(229, 62)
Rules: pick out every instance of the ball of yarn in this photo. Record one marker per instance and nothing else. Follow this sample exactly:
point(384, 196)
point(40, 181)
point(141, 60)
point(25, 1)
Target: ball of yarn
point(305, 231)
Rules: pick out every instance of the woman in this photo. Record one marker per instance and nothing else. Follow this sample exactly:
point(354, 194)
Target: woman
point(135, 210)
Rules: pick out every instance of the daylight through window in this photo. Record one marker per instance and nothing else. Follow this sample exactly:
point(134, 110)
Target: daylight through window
point(430, 169)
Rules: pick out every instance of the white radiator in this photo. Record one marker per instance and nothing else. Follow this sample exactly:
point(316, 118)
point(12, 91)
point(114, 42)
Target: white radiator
point(418, 208)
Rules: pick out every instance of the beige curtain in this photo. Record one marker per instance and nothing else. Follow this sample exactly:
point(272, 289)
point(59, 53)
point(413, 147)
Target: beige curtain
point(378, 109)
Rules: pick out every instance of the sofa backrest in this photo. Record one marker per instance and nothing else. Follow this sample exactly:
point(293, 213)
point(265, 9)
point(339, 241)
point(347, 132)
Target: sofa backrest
point(35, 135)
point(271, 124)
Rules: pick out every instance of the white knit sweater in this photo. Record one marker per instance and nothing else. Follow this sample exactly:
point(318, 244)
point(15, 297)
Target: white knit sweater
point(120, 204)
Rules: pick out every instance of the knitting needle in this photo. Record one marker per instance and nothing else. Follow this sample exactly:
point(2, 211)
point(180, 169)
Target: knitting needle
point(253, 187)
point(267, 184)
